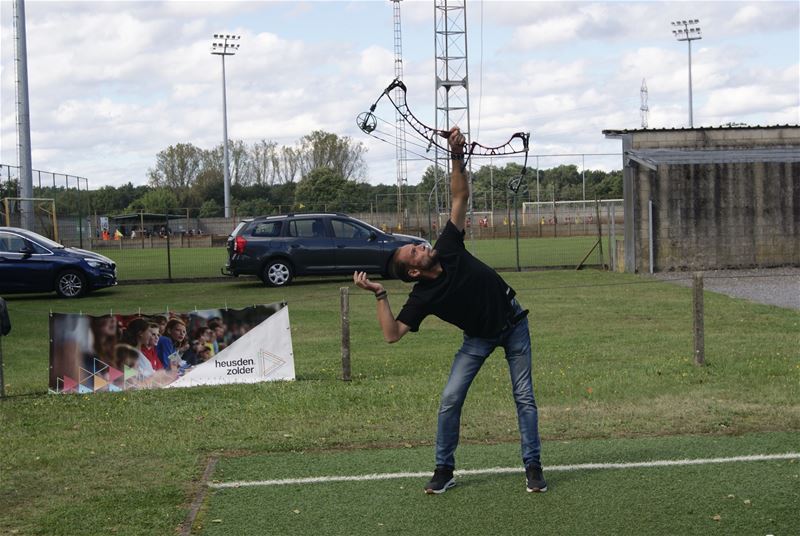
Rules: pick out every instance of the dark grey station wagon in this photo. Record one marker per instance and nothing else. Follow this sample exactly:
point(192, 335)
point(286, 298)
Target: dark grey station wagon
point(278, 248)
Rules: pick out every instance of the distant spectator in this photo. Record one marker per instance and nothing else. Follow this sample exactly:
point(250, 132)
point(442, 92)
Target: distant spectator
point(104, 333)
point(193, 353)
point(161, 320)
point(218, 329)
point(172, 342)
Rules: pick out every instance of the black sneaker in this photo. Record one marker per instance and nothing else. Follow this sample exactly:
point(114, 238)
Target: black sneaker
point(536, 481)
point(441, 481)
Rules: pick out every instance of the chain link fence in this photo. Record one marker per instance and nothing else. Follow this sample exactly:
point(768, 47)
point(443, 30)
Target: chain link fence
point(512, 234)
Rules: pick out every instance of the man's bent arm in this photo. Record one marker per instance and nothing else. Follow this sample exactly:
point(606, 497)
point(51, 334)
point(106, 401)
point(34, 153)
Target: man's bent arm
point(393, 330)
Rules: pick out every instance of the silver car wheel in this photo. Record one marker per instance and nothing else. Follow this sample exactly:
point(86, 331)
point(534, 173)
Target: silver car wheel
point(278, 274)
point(70, 285)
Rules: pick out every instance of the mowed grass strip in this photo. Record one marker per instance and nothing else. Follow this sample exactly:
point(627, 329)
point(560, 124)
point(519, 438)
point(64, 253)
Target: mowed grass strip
point(729, 498)
point(612, 358)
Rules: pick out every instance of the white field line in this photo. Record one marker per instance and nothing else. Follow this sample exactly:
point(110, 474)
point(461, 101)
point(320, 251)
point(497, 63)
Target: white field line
point(501, 470)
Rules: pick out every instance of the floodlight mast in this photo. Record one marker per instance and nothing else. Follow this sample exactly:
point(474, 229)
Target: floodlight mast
point(225, 45)
point(683, 32)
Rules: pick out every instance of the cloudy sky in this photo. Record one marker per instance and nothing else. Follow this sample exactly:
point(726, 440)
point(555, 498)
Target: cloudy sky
point(112, 83)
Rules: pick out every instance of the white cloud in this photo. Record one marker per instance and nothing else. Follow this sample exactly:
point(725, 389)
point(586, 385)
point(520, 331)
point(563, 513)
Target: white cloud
point(113, 83)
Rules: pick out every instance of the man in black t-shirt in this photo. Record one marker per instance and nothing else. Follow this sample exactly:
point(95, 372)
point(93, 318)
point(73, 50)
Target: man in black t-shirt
point(458, 288)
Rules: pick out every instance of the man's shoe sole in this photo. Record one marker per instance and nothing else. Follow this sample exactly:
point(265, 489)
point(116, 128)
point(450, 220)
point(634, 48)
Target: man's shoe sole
point(447, 486)
point(537, 490)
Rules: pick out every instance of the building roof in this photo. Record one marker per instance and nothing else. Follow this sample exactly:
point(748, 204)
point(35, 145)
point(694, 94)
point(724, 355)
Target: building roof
point(679, 129)
point(651, 158)
point(148, 216)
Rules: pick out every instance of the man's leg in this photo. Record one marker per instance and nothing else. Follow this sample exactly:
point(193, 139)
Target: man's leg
point(518, 354)
point(466, 364)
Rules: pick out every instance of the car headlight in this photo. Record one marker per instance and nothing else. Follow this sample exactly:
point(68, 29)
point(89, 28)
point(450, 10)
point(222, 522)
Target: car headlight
point(94, 263)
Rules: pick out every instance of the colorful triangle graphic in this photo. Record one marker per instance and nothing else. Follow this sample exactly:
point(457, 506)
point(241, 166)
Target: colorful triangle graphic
point(69, 385)
point(113, 388)
point(99, 366)
point(129, 372)
point(82, 389)
point(84, 376)
point(99, 383)
point(113, 374)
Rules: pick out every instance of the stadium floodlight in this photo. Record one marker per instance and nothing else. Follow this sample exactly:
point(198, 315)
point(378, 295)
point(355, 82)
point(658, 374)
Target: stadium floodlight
point(225, 45)
point(683, 32)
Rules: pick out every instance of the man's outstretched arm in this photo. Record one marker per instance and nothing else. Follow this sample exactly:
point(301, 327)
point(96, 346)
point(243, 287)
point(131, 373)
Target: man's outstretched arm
point(393, 330)
point(459, 188)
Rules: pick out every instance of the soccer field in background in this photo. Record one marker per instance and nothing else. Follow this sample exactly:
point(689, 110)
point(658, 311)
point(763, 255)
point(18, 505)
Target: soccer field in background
point(183, 263)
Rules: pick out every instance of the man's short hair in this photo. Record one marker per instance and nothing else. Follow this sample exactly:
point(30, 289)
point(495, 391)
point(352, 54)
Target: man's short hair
point(399, 269)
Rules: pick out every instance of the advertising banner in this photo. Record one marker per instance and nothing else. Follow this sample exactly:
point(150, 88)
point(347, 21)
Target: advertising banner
point(110, 353)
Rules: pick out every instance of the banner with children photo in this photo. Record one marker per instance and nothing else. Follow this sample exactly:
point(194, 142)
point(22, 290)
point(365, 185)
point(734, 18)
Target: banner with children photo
point(114, 352)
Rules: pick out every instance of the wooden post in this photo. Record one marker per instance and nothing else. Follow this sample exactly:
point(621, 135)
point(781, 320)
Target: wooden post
point(2, 381)
point(345, 306)
point(697, 303)
point(600, 233)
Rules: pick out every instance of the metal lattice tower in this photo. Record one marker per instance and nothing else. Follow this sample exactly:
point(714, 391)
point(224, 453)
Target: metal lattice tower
point(644, 110)
point(452, 74)
point(400, 122)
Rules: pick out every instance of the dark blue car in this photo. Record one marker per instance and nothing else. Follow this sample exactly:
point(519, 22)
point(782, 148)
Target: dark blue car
point(29, 262)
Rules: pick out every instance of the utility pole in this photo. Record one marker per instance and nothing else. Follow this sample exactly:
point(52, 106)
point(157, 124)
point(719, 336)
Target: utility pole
point(225, 45)
point(23, 118)
point(683, 32)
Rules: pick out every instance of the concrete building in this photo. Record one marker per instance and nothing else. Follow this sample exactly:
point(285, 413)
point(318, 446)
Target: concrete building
point(710, 198)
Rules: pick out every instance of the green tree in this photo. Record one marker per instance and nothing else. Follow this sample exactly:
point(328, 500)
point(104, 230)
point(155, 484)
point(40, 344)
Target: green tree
point(176, 167)
point(325, 150)
point(156, 201)
point(211, 209)
point(324, 189)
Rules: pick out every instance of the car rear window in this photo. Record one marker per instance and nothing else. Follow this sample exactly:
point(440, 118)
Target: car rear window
point(267, 228)
point(238, 228)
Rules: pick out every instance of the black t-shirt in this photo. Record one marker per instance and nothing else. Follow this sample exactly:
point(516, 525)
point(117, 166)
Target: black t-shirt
point(467, 294)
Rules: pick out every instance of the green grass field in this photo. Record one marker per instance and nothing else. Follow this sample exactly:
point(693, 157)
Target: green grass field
point(613, 374)
point(133, 264)
point(730, 498)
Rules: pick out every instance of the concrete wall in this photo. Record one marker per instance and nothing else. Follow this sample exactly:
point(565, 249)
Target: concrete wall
point(715, 215)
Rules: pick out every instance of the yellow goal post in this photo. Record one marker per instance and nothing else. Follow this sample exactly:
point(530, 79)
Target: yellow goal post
point(44, 209)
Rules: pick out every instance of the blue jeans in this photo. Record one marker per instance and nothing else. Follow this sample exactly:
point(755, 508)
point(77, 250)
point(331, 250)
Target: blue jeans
point(516, 341)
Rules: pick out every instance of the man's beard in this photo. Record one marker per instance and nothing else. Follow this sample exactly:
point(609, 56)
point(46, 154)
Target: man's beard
point(430, 261)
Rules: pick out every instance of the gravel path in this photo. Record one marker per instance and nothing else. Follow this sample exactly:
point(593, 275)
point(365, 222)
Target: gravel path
point(772, 286)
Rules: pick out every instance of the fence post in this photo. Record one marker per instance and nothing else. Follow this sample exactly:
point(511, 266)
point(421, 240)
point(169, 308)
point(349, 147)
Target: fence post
point(169, 257)
point(344, 294)
point(697, 306)
point(5, 329)
point(599, 233)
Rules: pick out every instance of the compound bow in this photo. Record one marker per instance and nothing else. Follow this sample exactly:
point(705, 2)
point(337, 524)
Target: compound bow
point(516, 144)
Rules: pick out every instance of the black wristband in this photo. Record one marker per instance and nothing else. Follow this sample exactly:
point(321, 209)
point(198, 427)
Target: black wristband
point(456, 156)
point(380, 295)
